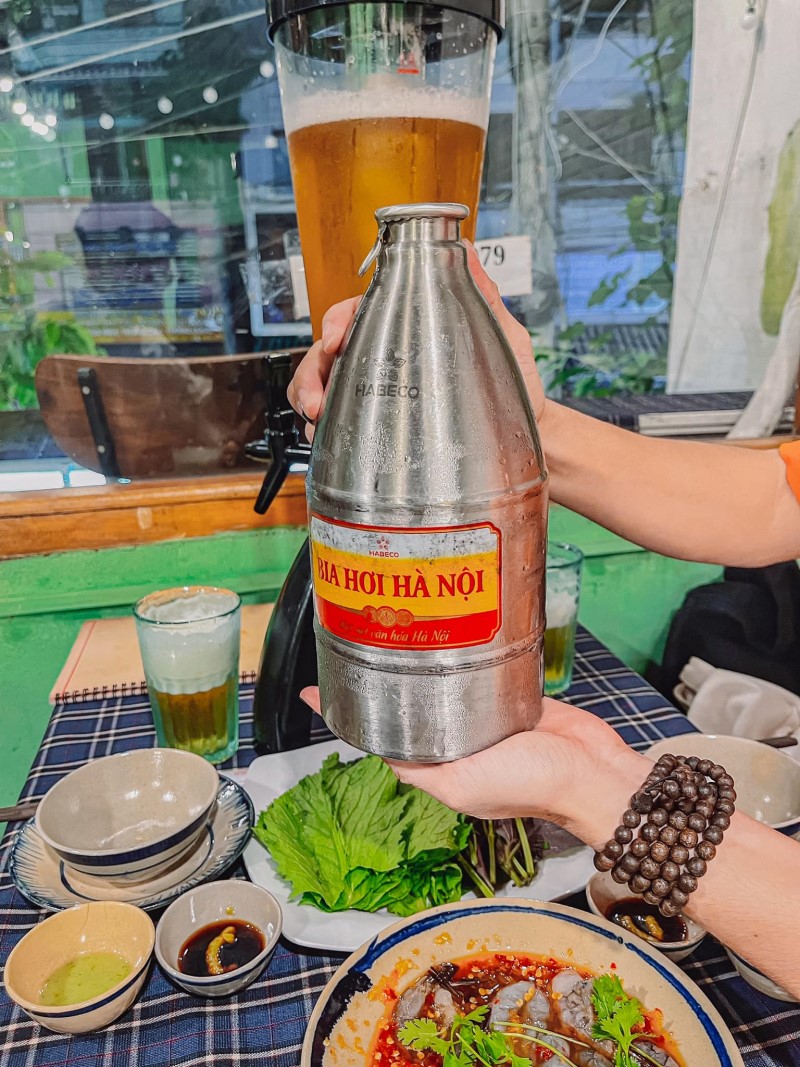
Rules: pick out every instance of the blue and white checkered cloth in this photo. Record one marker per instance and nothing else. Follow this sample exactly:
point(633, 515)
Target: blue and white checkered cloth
point(265, 1024)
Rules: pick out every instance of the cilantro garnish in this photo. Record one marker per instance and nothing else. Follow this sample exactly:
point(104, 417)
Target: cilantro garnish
point(467, 1043)
point(470, 1044)
point(617, 1017)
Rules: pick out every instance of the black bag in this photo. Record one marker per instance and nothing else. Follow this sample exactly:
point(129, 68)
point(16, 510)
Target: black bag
point(749, 622)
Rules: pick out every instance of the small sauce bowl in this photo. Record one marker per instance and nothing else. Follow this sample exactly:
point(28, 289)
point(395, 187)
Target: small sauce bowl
point(215, 903)
point(603, 892)
point(96, 927)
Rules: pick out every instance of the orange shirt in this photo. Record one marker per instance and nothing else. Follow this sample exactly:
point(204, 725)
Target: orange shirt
point(790, 454)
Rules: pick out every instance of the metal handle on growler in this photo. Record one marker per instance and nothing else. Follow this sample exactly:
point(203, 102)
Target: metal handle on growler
point(427, 511)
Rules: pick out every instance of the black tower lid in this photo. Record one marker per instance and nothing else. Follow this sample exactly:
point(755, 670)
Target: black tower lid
point(491, 11)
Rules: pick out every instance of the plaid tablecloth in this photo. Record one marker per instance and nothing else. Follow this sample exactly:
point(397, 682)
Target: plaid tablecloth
point(265, 1024)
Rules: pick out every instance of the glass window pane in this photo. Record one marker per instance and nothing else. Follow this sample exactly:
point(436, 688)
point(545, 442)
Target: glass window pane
point(147, 213)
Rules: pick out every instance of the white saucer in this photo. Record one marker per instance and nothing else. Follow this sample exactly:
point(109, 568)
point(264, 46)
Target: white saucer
point(51, 884)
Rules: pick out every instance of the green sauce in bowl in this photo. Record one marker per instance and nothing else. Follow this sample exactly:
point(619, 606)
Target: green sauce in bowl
point(84, 978)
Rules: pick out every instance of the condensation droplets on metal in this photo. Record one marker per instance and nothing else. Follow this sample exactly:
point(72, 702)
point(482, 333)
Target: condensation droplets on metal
point(427, 511)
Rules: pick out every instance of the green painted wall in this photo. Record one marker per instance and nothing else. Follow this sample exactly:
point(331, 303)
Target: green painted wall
point(157, 168)
point(31, 167)
point(204, 173)
point(628, 598)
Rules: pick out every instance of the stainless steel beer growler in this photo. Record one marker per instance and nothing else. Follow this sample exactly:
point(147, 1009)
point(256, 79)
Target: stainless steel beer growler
point(427, 511)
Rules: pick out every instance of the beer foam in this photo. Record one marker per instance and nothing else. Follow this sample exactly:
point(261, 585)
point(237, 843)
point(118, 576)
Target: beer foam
point(561, 607)
point(383, 101)
point(206, 605)
point(190, 659)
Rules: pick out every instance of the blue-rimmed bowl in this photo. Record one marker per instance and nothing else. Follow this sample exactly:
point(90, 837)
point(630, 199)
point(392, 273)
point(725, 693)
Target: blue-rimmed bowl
point(356, 1000)
point(212, 903)
point(99, 926)
point(758, 980)
point(130, 816)
point(602, 892)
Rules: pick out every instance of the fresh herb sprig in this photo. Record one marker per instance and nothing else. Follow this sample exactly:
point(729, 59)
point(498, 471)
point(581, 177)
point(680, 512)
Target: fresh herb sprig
point(350, 836)
point(469, 1043)
point(466, 1044)
point(539, 1035)
point(618, 1015)
point(501, 851)
point(619, 1019)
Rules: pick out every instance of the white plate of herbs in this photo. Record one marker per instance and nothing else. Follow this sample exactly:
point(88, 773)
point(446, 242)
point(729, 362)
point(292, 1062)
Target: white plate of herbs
point(346, 849)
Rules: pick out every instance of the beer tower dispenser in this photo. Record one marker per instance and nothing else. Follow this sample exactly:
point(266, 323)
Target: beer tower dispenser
point(382, 103)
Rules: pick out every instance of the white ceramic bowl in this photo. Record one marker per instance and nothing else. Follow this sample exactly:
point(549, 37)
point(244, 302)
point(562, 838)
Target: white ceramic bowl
point(354, 1003)
point(130, 816)
point(602, 891)
point(767, 781)
point(232, 899)
point(99, 926)
point(758, 980)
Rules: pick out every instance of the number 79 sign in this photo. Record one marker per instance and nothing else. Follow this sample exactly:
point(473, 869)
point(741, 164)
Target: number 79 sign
point(509, 263)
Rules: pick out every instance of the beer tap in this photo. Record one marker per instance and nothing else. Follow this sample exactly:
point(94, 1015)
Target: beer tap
point(288, 658)
point(280, 446)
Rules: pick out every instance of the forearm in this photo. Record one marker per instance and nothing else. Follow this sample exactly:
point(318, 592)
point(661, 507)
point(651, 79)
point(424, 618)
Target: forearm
point(704, 502)
point(749, 897)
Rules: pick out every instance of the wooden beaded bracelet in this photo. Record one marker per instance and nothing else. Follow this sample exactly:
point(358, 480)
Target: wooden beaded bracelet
point(688, 803)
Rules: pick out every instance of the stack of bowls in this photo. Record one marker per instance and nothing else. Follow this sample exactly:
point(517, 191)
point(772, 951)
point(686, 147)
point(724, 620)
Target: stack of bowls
point(129, 817)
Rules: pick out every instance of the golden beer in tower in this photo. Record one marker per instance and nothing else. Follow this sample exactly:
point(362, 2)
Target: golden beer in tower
point(345, 168)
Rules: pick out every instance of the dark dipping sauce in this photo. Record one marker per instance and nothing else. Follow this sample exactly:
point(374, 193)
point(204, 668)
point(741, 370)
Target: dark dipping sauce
point(639, 917)
point(247, 943)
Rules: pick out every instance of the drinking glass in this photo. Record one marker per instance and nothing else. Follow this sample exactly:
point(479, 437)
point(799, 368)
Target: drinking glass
point(189, 638)
point(564, 567)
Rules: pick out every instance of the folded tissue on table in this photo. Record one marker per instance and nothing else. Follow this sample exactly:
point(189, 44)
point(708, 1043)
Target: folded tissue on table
point(725, 702)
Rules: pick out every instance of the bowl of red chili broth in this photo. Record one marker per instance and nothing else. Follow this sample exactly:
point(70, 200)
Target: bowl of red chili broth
point(524, 969)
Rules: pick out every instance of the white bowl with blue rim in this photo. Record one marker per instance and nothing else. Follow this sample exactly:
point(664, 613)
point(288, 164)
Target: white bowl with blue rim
point(130, 816)
point(211, 904)
point(758, 980)
point(108, 927)
point(602, 892)
point(361, 995)
point(767, 781)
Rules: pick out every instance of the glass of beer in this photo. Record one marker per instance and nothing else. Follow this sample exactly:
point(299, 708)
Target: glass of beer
point(382, 104)
point(564, 567)
point(189, 638)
